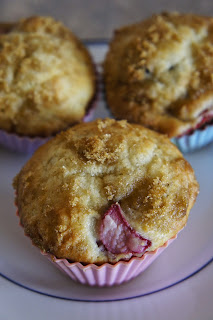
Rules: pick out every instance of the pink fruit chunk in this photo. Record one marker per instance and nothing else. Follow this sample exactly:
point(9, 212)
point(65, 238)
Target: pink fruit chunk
point(118, 236)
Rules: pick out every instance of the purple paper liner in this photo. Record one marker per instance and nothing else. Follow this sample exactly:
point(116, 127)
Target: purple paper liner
point(20, 143)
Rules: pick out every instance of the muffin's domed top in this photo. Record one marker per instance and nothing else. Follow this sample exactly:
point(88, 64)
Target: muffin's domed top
point(160, 71)
point(46, 77)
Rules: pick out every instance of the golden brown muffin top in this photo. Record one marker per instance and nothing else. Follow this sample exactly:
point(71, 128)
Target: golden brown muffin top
point(159, 72)
point(46, 77)
point(66, 188)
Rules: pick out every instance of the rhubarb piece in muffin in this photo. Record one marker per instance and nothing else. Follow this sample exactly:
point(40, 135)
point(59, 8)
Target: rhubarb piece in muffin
point(159, 73)
point(47, 77)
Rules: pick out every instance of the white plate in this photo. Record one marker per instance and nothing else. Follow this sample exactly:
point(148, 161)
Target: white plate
point(23, 264)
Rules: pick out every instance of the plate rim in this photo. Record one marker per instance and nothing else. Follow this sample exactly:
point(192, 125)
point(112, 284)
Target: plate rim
point(108, 300)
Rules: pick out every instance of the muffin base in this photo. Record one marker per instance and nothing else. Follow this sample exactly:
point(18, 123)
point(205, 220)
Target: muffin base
point(107, 274)
point(28, 145)
point(22, 144)
point(197, 140)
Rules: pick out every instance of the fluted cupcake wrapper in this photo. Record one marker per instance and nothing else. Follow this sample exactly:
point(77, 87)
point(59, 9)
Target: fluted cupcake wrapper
point(197, 140)
point(107, 274)
point(20, 143)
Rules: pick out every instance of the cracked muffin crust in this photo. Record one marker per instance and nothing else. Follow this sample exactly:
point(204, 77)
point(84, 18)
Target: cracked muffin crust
point(159, 73)
point(46, 77)
point(104, 191)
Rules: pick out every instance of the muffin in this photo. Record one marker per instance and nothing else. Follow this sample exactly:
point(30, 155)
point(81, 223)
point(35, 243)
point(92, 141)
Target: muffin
point(158, 73)
point(47, 78)
point(104, 197)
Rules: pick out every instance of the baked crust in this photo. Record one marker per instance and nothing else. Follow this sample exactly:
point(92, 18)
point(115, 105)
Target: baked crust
point(159, 72)
point(46, 77)
point(65, 189)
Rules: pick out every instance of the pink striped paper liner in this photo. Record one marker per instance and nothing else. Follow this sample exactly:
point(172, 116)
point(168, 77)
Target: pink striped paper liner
point(107, 274)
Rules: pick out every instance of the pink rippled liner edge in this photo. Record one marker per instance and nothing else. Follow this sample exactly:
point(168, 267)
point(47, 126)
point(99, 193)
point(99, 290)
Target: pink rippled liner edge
point(107, 274)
